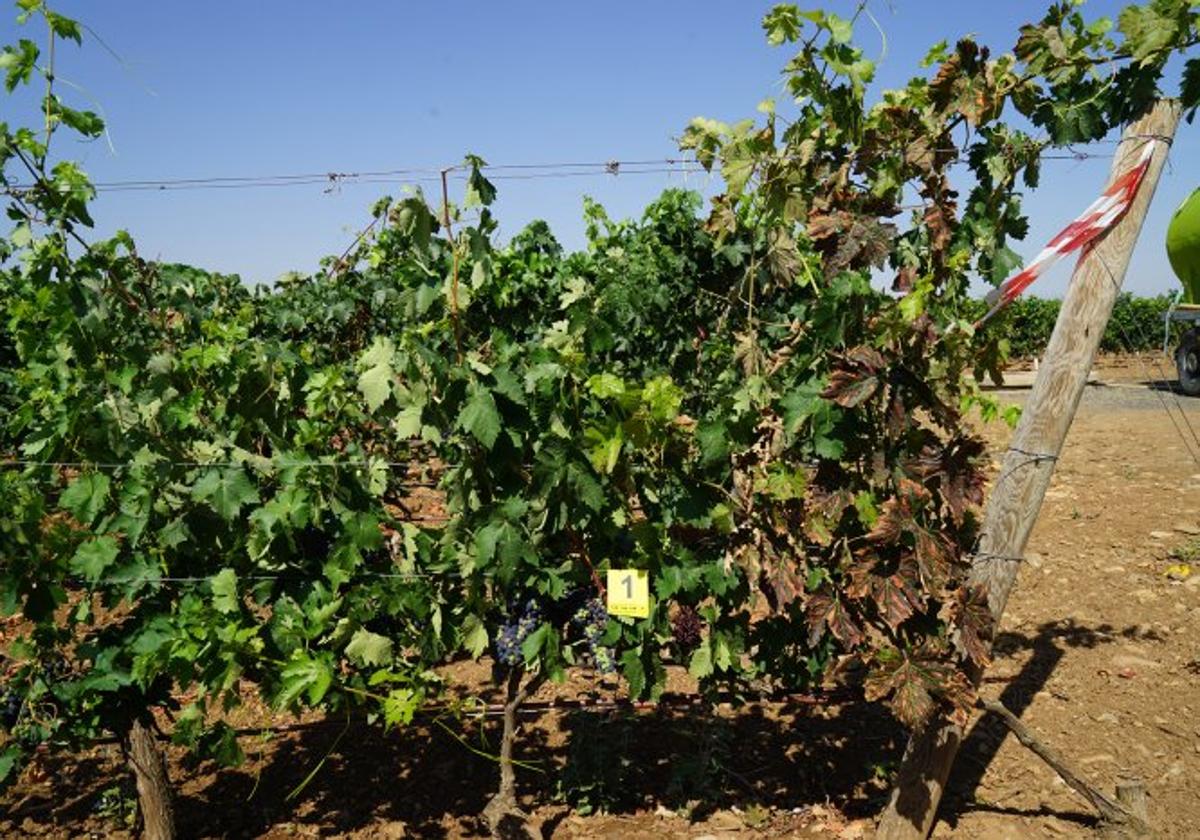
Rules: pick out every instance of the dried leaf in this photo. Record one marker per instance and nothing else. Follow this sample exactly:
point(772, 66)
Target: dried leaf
point(823, 610)
point(954, 470)
point(898, 515)
point(915, 680)
point(855, 377)
point(850, 388)
point(968, 614)
point(866, 244)
point(824, 511)
point(783, 581)
point(783, 257)
point(904, 280)
point(934, 556)
point(895, 598)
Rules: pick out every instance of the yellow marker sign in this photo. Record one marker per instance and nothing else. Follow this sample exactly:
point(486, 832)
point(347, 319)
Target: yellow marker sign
point(629, 592)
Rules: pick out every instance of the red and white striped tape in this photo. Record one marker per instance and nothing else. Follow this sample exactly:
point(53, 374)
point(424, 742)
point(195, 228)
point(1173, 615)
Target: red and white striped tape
point(1093, 221)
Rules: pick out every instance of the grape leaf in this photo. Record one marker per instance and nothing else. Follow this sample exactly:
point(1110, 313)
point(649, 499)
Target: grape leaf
point(480, 418)
point(400, 705)
point(1148, 29)
point(94, 556)
point(474, 636)
point(224, 591)
point(701, 663)
point(376, 372)
point(226, 491)
point(634, 671)
point(306, 675)
point(367, 648)
point(85, 496)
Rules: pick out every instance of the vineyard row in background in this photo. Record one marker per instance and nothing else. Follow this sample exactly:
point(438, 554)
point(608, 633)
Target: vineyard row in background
point(1136, 325)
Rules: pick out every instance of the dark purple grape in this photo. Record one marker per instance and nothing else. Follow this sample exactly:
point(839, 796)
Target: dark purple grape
point(55, 668)
point(686, 627)
point(592, 620)
point(508, 648)
point(514, 633)
point(10, 709)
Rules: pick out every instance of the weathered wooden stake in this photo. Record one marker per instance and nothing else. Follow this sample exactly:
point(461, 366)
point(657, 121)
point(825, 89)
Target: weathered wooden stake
point(1029, 463)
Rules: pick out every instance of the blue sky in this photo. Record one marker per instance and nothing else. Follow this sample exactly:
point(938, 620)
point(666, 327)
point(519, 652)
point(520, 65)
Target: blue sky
point(266, 87)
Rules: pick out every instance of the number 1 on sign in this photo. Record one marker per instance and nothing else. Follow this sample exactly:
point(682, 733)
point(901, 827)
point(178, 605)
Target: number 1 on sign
point(629, 592)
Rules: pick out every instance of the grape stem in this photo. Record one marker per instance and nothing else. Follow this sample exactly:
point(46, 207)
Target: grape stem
point(504, 817)
point(582, 550)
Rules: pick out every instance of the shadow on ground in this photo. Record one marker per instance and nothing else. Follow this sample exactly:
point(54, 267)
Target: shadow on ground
point(984, 738)
point(333, 778)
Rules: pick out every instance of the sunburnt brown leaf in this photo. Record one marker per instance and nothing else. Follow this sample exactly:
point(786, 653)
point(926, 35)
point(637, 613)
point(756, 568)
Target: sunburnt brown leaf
point(915, 681)
point(971, 619)
point(895, 598)
point(953, 470)
point(904, 280)
point(825, 225)
point(896, 594)
point(782, 581)
point(941, 86)
point(934, 557)
point(855, 377)
point(898, 515)
point(867, 358)
point(824, 611)
point(823, 513)
point(783, 257)
point(866, 244)
point(939, 219)
point(850, 388)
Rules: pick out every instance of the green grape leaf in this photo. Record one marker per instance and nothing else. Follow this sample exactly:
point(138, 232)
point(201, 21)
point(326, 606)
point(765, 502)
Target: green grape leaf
point(85, 496)
point(367, 648)
point(474, 636)
point(226, 491)
point(606, 385)
point(1189, 88)
point(701, 663)
point(782, 24)
point(400, 705)
point(1148, 30)
point(634, 671)
point(93, 557)
point(305, 675)
point(224, 591)
point(9, 760)
point(480, 417)
point(532, 646)
point(376, 372)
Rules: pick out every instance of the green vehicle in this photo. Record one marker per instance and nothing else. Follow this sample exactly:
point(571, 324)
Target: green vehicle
point(1183, 250)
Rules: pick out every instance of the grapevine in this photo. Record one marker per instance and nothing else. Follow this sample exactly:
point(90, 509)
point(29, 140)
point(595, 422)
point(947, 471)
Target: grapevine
point(209, 489)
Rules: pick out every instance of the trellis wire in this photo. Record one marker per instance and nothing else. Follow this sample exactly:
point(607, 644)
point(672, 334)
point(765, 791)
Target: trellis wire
point(512, 171)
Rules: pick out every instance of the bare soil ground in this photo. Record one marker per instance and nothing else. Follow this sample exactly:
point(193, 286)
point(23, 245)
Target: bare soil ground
point(1099, 653)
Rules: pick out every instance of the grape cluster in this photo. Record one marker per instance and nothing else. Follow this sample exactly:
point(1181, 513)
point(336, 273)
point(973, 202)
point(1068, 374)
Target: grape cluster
point(10, 709)
point(55, 668)
point(592, 619)
point(514, 633)
point(686, 627)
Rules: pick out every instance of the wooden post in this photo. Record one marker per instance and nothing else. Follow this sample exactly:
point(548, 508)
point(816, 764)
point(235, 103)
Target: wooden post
point(1028, 465)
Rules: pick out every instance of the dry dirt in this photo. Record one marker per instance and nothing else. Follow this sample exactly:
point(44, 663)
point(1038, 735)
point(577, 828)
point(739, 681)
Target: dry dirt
point(1099, 653)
